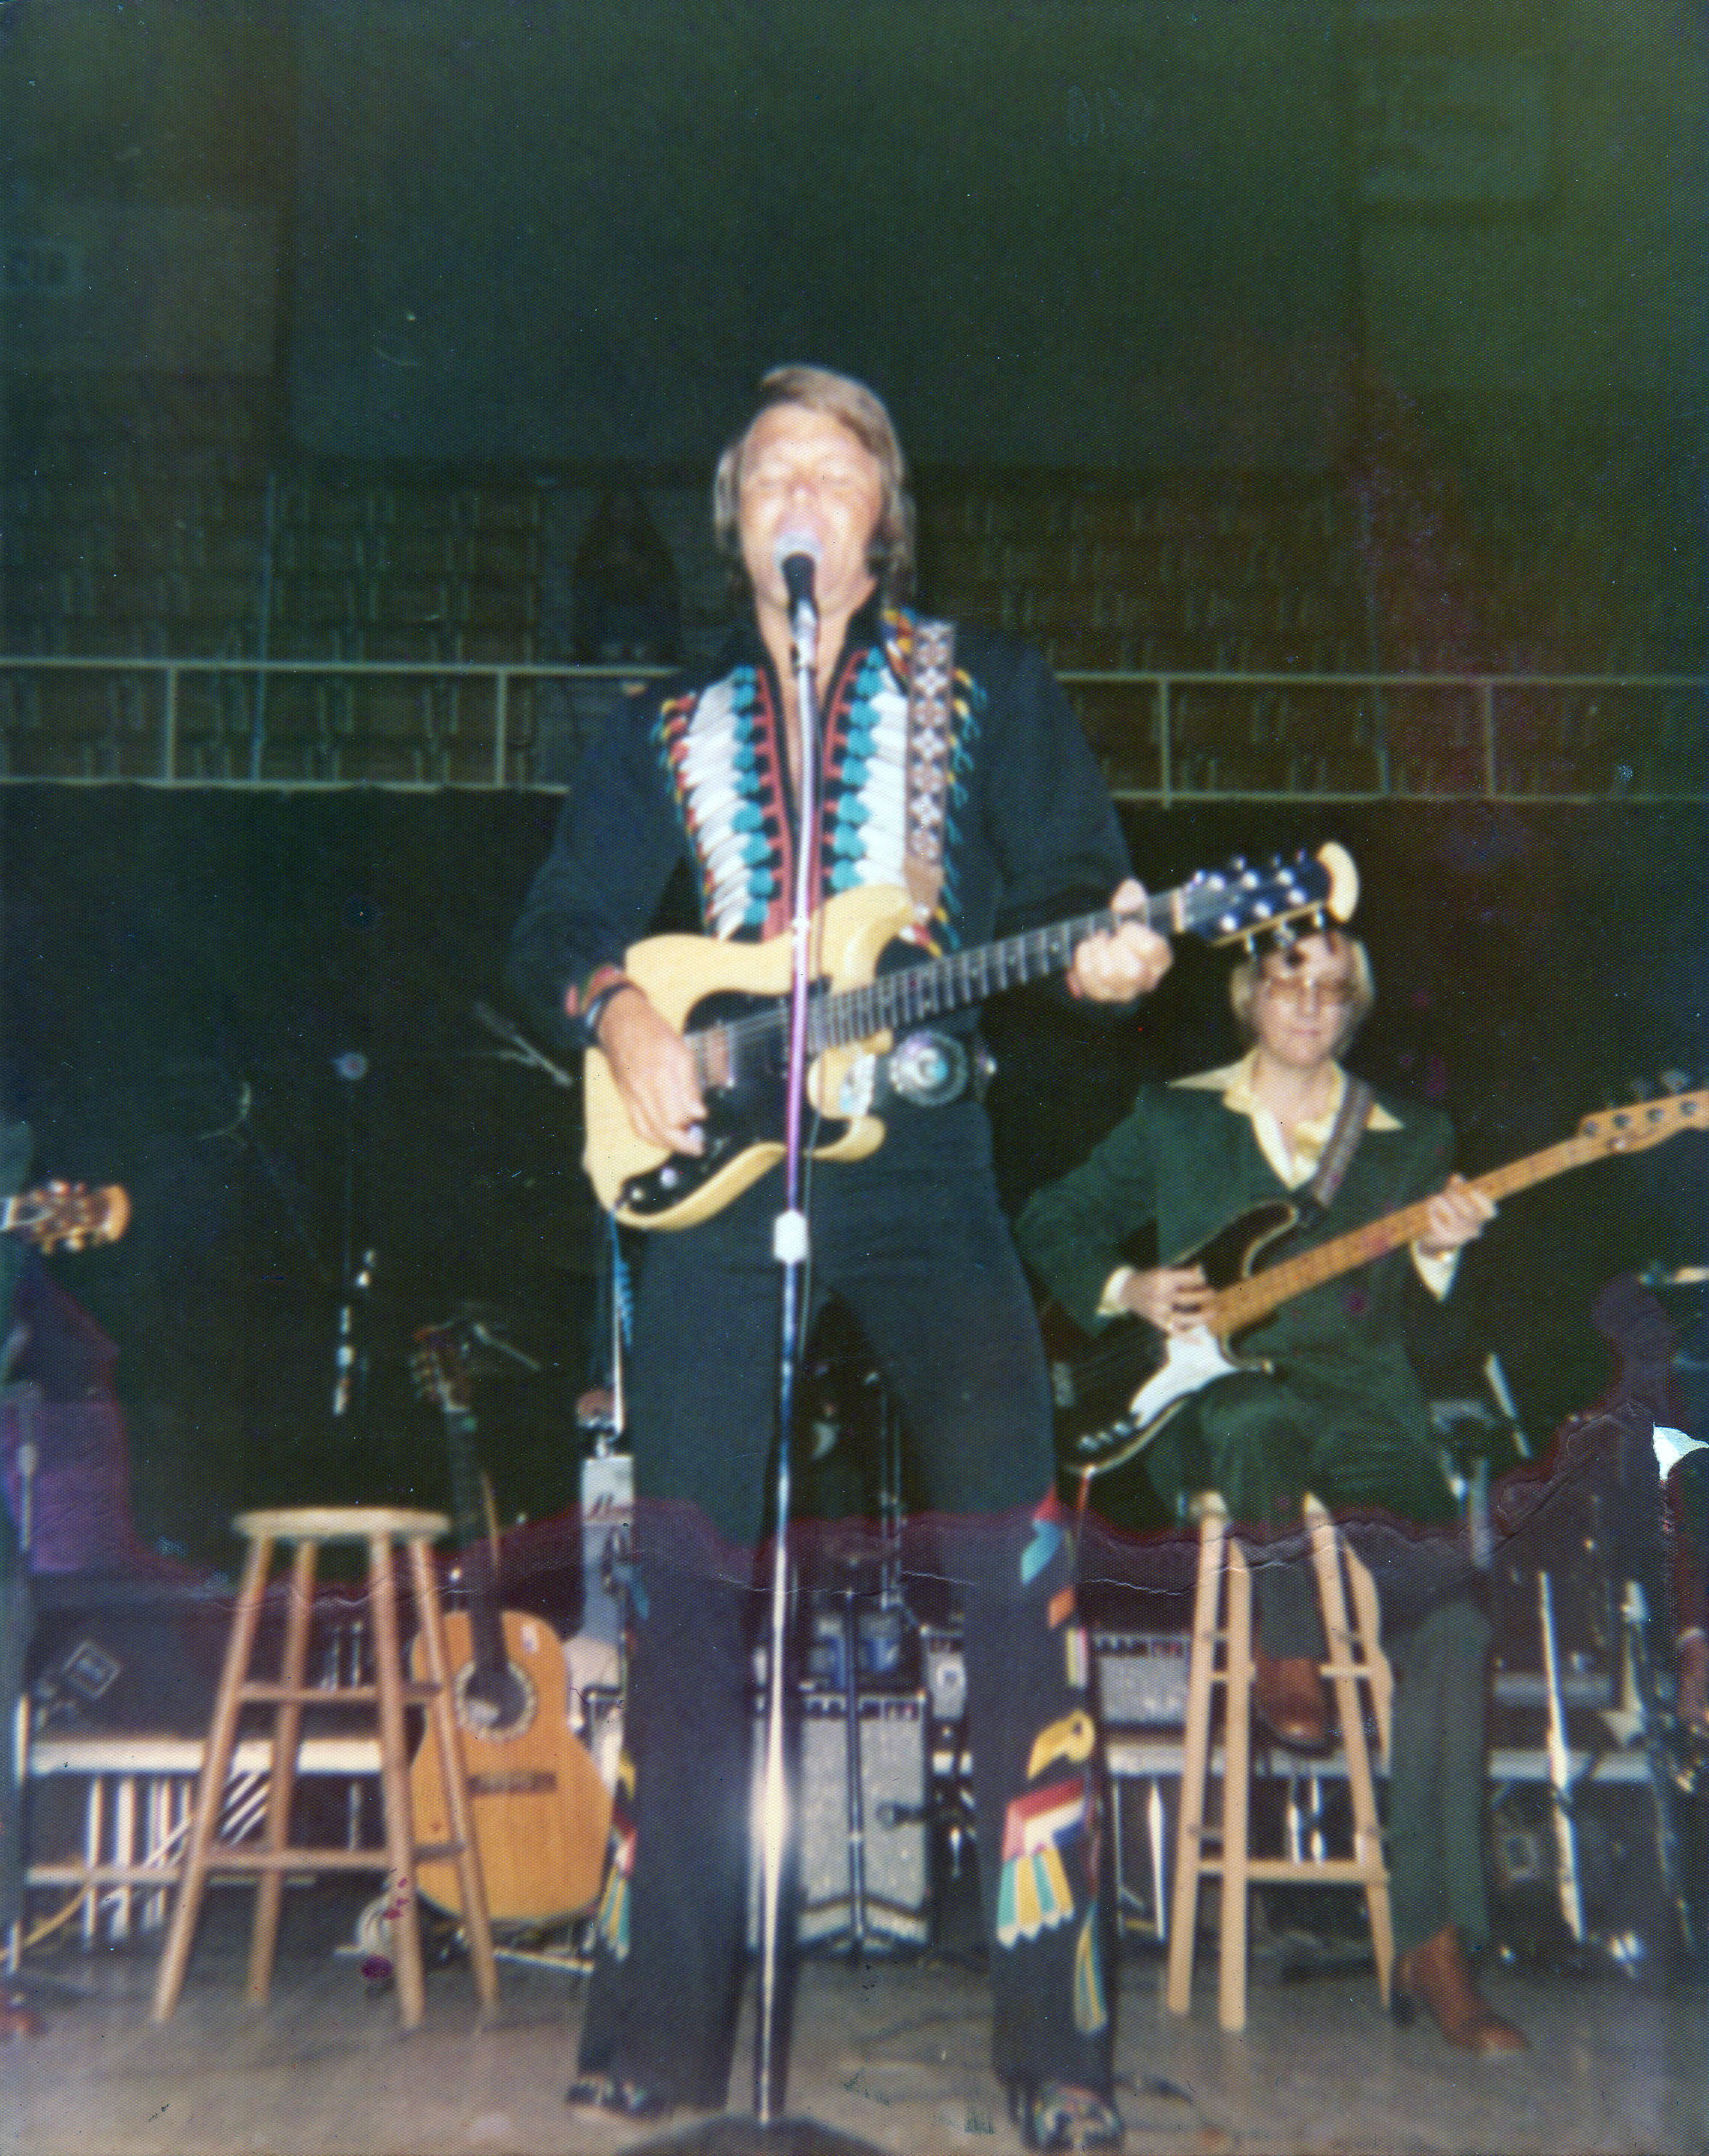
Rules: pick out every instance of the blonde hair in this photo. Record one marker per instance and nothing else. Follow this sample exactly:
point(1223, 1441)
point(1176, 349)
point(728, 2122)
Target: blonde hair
point(854, 407)
point(1247, 978)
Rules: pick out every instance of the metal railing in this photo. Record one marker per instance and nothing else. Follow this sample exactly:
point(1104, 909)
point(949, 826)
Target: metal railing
point(1164, 736)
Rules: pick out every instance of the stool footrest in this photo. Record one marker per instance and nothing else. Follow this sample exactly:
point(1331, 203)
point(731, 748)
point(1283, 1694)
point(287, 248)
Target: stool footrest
point(235, 1859)
point(284, 1695)
point(1327, 1871)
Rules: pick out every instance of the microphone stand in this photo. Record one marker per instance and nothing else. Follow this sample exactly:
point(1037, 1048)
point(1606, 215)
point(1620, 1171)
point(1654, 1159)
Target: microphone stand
point(791, 1245)
point(776, 2135)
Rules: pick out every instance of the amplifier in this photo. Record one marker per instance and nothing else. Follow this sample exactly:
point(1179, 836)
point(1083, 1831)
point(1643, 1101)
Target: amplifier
point(1141, 1677)
point(893, 1807)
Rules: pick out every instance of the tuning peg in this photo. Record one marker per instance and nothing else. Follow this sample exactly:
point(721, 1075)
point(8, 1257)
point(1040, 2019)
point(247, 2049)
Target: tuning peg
point(1674, 1081)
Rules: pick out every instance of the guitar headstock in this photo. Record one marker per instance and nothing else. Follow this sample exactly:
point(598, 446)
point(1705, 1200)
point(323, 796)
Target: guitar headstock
point(1246, 900)
point(1646, 1122)
point(438, 1365)
point(70, 1216)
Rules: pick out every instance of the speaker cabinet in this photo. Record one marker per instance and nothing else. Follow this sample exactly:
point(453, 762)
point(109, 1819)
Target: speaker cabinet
point(892, 1819)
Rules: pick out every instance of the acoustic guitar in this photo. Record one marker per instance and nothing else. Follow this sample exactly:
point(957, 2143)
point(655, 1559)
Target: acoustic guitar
point(541, 1813)
point(1116, 1395)
point(729, 1002)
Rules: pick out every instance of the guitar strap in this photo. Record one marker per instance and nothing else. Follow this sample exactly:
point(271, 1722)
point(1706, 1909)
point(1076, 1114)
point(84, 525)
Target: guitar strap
point(1356, 1102)
point(932, 671)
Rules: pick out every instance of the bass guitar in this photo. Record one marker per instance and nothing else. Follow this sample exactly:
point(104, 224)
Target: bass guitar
point(541, 1813)
point(67, 1215)
point(729, 1002)
point(1116, 1394)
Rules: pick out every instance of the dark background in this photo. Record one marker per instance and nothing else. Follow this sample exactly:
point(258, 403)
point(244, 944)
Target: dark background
point(171, 956)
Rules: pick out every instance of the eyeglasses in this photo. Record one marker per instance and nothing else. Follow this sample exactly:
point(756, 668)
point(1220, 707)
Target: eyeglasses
point(1301, 989)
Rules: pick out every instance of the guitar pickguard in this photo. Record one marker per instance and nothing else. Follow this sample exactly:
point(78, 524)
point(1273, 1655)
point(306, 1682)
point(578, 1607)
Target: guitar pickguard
point(743, 1128)
point(1122, 1393)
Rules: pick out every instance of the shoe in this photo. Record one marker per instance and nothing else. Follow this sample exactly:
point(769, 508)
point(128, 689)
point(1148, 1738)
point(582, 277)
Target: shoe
point(621, 2097)
point(1289, 1697)
point(17, 2019)
point(1438, 1976)
point(1058, 2115)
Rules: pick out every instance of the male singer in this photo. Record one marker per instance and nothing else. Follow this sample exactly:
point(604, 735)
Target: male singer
point(705, 778)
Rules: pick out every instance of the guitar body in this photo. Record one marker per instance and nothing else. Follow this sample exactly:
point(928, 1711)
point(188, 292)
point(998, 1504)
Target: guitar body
point(697, 981)
point(729, 1002)
point(1114, 1396)
point(541, 1813)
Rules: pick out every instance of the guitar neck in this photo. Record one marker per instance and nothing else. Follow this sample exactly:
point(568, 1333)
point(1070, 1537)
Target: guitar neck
point(935, 986)
point(961, 978)
point(1247, 1301)
point(486, 1624)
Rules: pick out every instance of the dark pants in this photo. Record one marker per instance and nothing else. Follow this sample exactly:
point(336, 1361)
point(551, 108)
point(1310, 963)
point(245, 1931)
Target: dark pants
point(1264, 1445)
point(914, 1242)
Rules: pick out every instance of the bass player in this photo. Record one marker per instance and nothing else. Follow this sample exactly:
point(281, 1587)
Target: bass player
point(1339, 1411)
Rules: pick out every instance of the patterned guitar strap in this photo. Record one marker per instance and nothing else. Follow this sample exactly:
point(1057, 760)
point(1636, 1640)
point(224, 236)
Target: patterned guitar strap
point(931, 672)
point(1342, 1142)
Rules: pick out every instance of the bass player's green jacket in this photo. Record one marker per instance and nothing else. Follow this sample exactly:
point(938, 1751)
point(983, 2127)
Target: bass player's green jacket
point(1343, 1414)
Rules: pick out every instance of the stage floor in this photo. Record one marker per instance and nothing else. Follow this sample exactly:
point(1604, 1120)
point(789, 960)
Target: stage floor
point(892, 2052)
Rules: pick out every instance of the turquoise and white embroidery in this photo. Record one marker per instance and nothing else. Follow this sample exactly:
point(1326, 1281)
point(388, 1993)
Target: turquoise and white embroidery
point(725, 787)
point(865, 829)
point(723, 752)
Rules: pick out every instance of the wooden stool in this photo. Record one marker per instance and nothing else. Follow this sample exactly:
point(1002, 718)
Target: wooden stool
point(271, 1857)
point(1223, 1620)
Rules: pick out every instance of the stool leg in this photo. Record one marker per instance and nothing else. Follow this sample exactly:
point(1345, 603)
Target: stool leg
point(1351, 1657)
point(443, 1715)
point(1237, 1788)
point(204, 1818)
point(394, 1784)
point(1189, 1826)
point(1368, 1623)
point(287, 1730)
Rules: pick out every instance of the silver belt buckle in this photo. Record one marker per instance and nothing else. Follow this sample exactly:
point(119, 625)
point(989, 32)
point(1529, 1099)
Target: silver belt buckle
point(929, 1069)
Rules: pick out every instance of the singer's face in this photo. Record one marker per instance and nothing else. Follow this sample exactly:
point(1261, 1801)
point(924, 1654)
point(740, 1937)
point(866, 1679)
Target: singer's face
point(804, 474)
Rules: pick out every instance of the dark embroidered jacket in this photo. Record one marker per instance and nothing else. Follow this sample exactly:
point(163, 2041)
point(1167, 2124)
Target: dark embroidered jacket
point(696, 777)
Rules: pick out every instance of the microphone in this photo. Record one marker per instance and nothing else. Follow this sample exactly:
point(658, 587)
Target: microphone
point(797, 555)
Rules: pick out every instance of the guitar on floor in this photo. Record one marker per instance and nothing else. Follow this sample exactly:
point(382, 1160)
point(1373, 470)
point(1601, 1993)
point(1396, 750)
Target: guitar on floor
point(541, 1813)
point(67, 1215)
point(729, 1002)
point(1116, 1394)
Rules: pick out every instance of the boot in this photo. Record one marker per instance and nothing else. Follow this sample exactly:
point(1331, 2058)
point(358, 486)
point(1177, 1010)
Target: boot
point(1289, 1697)
point(17, 2018)
point(1437, 1975)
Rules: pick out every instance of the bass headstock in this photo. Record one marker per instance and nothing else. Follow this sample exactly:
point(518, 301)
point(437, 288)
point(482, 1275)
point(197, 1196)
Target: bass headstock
point(1631, 1128)
point(438, 1366)
point(70, 1216)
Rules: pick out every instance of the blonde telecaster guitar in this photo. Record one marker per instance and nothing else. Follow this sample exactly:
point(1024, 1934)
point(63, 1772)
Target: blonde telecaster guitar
point(729, 1002)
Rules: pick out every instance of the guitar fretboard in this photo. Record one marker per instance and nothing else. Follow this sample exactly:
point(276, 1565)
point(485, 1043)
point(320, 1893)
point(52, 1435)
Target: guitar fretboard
point(1246, 1301)
point(950, 982)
